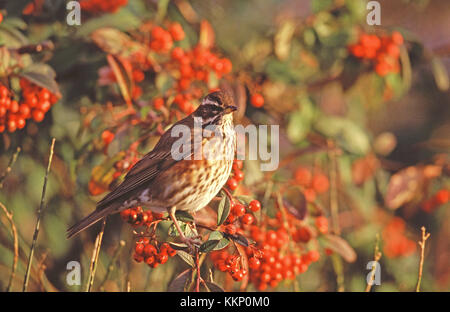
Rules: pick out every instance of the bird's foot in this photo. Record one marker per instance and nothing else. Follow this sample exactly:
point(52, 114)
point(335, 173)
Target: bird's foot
point(191, 242)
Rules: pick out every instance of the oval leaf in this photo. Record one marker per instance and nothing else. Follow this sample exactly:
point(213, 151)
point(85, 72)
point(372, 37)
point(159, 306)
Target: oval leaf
point(341, 247)
point(179, 283)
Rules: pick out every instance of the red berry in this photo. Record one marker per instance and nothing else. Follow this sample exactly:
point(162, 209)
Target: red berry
point(322, 224)
point(397, 38)
point(149, 250)
point(254, 263)
point(310, 195)
point(442, 197)
point(254, 205)
point(248, 219)
point(176, 31)
point(320, 183)
point(238, 209)
point(158, 103)
point(257, 100)
point(313, 255)
point(303, 176)
point(238, 175)
point(139, 249)
point(38, 115)
point(232, 184)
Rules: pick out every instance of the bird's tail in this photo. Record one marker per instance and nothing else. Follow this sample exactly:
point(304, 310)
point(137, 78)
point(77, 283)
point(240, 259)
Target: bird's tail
point(86, 222)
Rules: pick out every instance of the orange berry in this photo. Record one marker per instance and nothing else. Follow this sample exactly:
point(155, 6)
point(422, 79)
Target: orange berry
point(303, 176)
point(257, 100)
point(320, 183)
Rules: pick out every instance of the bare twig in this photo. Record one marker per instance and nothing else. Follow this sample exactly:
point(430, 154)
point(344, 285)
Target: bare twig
point(94, 259)
point(38, 221)
point(111, 264)
point(334, 204)
point(9, 216)
point(10, 164)
point(425, 236)
point(376, 258)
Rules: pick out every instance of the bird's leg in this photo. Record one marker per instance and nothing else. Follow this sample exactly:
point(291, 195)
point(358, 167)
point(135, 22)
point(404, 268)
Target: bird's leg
point(187, 240)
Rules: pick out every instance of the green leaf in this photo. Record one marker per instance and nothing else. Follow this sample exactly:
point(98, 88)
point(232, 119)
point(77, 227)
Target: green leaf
point(223, 241)
point(122, 20)
point(41, 75)
point(224, 210)
point(186, 258)
point(348, 135)
point(183, 216)
point(209, 245)
point(241, 240)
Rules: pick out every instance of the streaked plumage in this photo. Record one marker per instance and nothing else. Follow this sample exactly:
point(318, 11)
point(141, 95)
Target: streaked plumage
point(161, 183)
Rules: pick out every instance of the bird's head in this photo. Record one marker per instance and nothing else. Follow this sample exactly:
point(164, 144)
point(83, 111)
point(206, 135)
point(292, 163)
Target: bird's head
point(215, 106)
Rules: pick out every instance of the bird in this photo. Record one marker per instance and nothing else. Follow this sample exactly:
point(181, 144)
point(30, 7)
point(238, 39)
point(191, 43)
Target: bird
point(188, 182)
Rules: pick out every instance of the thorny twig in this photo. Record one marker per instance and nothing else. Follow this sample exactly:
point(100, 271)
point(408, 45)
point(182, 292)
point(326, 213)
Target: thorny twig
point(38, 222)
point(425, 236)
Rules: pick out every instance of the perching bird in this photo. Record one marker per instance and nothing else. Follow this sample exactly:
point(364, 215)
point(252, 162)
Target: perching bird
point(162, 182)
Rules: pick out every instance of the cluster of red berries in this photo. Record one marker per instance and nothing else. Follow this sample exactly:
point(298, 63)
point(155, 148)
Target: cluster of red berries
point(237, 175)
point(35, 103)
point(226, 262)
point(241, 213)
point(162, 40)
point(382, 51)
point(138, 217)
point(396, 244)
point(440, 198)
point(152, 253)
point(102, 6)
point(195, 66)
point(312, 184)
point(281, 258)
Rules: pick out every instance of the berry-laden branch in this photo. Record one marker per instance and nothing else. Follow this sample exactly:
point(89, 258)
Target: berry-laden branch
point(38, 222)
point(425, 236)
point(376, 258)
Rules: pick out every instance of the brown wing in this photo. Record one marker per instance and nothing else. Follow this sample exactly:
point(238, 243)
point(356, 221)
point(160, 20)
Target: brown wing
point(146, 169)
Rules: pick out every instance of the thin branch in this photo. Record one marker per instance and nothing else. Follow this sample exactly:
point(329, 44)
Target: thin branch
point(333, 173)
point(376, 258)
point(38, 222)
point(10, 164)
point(94, 259)
point(9, 216)
point(425, 236)
point(111, 264)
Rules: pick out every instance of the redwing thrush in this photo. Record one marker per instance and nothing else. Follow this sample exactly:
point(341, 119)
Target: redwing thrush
point(162, 182)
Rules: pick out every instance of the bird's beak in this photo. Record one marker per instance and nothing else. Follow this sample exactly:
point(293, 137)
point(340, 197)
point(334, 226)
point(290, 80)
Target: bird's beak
point(230, 109)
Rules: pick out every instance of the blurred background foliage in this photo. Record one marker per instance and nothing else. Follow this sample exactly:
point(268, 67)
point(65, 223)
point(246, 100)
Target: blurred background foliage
point(295, 53)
